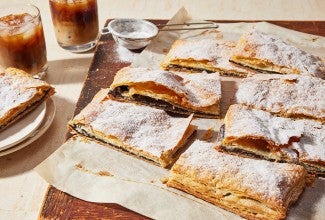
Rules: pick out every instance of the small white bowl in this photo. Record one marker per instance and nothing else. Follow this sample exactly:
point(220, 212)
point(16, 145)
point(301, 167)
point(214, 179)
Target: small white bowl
point(132, 33)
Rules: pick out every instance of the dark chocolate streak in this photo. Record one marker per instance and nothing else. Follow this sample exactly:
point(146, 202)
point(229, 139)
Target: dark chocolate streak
point(195, 70)
point(161, 104)
point(258, 70)
point(92, 137)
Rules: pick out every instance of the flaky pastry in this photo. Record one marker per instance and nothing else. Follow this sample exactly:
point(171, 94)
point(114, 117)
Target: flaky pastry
point(291, 95)
point(265, 52)
point(179, 93)
point(256, 133)
point(253, 189)
point(141, 130)
point(203, 54)
point(20, 93)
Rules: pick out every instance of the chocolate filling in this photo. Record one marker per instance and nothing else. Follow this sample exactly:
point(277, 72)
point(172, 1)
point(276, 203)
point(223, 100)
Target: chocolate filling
point(117, 93)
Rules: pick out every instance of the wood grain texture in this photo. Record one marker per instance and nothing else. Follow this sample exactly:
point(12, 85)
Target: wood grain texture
point(59, 205)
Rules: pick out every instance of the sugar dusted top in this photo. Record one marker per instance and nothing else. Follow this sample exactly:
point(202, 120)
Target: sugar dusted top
point(258, 179)
point(200, 89)
point(144, 128)
point(16, 90)
point(286, 94)
point(263, 46)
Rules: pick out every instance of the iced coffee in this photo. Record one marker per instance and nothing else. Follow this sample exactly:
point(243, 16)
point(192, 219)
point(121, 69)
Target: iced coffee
point(22, 43)
point(75, 23)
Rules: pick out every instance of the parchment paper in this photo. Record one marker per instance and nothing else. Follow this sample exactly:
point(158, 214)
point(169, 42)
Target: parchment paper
point(98, 173)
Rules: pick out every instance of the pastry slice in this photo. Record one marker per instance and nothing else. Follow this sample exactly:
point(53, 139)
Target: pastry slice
point(265, 52)
point(183, 94)
point(259, 134)
point(141, 130)
point(291, 95)
point(20, 93)
point(253, 189)
point(203, 54)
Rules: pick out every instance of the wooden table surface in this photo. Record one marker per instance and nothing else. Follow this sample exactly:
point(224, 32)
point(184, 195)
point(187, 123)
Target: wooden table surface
point(104, 65)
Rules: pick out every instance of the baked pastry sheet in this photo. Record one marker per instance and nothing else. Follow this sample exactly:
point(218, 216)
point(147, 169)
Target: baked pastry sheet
point(265, 52)
point(253, 189)
point(175, 92)
point(291, 95)
point(205, 52)
point(140, 130)
point(104, 176)
point(259, 134)
point(20, 94)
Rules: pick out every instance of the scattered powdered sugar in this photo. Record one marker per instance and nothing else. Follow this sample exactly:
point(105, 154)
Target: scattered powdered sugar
point(15, 90)
point(125, 55)
point(245, 122)
point(216, 51)
point(136, 34)
point(143, 128)
point(311, 145)
point(286, 94)
point(198, 90)
point(273, 49)
point(256, 178)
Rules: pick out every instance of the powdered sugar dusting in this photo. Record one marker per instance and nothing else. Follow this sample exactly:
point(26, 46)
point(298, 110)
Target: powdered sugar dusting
point(273, 49)
point(125, 55)
point(144, 128)
point(199, 90)
point(15, 90)
point(216, 51)
point(311, 146)
point(287, 94)
point(256, 178)
point(245, 122)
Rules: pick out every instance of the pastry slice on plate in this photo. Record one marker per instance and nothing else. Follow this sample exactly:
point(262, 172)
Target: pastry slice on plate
point(20, 93)
point(203, 54)
point(291, 95)
point(140, 130)
point(179, 93)
point(265, 52)
point(253, 189)
point(259, 134)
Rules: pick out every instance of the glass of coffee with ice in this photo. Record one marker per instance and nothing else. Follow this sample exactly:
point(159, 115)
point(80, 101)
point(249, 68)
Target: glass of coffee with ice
point(22, 42)
point(75, 24)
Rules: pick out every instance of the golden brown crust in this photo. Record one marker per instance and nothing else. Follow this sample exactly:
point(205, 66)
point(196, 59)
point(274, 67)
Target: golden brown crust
point(254, 189)
point(180, 93)
point(265, 52)
point(256, 133)
point(206, 53)
point(140, 130)
point(291, 96)
point(20, 94)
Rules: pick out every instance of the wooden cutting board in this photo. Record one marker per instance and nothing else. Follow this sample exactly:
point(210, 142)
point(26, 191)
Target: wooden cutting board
point(105, 63)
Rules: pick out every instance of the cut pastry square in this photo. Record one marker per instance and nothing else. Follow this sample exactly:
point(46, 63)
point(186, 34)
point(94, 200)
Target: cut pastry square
point(179, 93)
point(288, 96)
point(265, 52)
point(20, 93)
point(259, 134)
point(253, 189)
point(140, 130)
point(203, 54)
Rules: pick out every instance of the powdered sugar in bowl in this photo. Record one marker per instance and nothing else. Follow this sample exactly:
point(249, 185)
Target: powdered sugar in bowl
point(132, 33)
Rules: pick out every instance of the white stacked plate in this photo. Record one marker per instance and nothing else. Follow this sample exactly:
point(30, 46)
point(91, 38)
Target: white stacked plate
point(27, 129)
